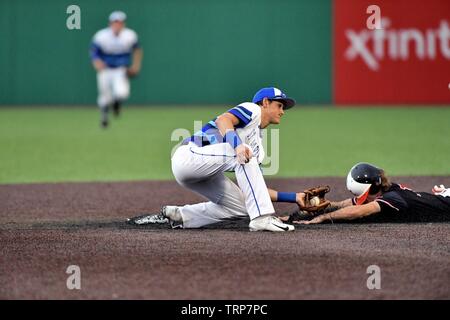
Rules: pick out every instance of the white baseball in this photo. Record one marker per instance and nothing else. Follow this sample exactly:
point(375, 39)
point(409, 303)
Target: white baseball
point(315, 201)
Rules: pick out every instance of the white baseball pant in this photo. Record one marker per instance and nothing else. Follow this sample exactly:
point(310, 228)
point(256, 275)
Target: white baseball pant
point(113, 84)
point(201, 169)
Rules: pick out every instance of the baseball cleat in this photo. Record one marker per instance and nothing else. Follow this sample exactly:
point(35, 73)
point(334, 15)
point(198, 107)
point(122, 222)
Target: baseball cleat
point(104, 124)
point(148, 219)
point(173, 214)
point(269, 223)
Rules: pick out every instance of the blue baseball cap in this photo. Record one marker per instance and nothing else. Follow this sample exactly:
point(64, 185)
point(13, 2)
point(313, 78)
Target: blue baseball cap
point(272, 93)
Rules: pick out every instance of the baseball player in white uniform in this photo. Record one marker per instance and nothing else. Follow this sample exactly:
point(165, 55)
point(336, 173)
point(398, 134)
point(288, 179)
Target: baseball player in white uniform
point(116, 56)
point(231, 142)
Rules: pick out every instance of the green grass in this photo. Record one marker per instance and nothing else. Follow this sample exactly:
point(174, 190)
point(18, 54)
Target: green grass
point(66, 144)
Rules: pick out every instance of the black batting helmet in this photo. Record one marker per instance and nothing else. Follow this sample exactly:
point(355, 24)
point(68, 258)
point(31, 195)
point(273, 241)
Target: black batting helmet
point(364, 179)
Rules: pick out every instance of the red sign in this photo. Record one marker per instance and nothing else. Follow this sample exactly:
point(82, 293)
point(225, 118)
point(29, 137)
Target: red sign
point(406, 61)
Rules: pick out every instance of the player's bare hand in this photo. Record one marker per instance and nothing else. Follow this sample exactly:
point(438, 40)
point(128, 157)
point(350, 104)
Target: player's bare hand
point(316, 220)
point(99, 65)
point(132, 71)
point(243, 154)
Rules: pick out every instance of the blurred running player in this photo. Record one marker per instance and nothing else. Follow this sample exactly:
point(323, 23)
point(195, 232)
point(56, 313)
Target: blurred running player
point(116, 56)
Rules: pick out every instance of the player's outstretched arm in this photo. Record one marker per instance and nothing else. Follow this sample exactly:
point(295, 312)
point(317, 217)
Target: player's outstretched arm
point(347, 213)
point(335, 205)
point(298, 197)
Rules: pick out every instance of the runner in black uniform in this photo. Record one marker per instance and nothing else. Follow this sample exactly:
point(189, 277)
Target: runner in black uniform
point(377, 199)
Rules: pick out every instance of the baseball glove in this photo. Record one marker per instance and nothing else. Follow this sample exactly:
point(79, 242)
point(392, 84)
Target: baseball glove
point(315, 201)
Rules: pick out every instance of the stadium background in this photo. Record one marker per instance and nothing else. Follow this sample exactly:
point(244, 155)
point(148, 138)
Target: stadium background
point(201, 57)
point(245, 45)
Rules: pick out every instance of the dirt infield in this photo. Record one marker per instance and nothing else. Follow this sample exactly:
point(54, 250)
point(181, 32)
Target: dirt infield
point(44, 228)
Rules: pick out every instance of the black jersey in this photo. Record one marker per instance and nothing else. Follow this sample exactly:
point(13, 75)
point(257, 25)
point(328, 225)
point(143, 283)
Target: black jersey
point(402, 203)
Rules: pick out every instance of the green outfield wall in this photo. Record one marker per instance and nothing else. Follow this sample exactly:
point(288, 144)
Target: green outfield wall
point(195, 52)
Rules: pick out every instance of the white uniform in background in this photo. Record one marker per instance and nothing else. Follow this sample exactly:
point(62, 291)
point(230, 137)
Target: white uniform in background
point(199, 165)
point(116, 53)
